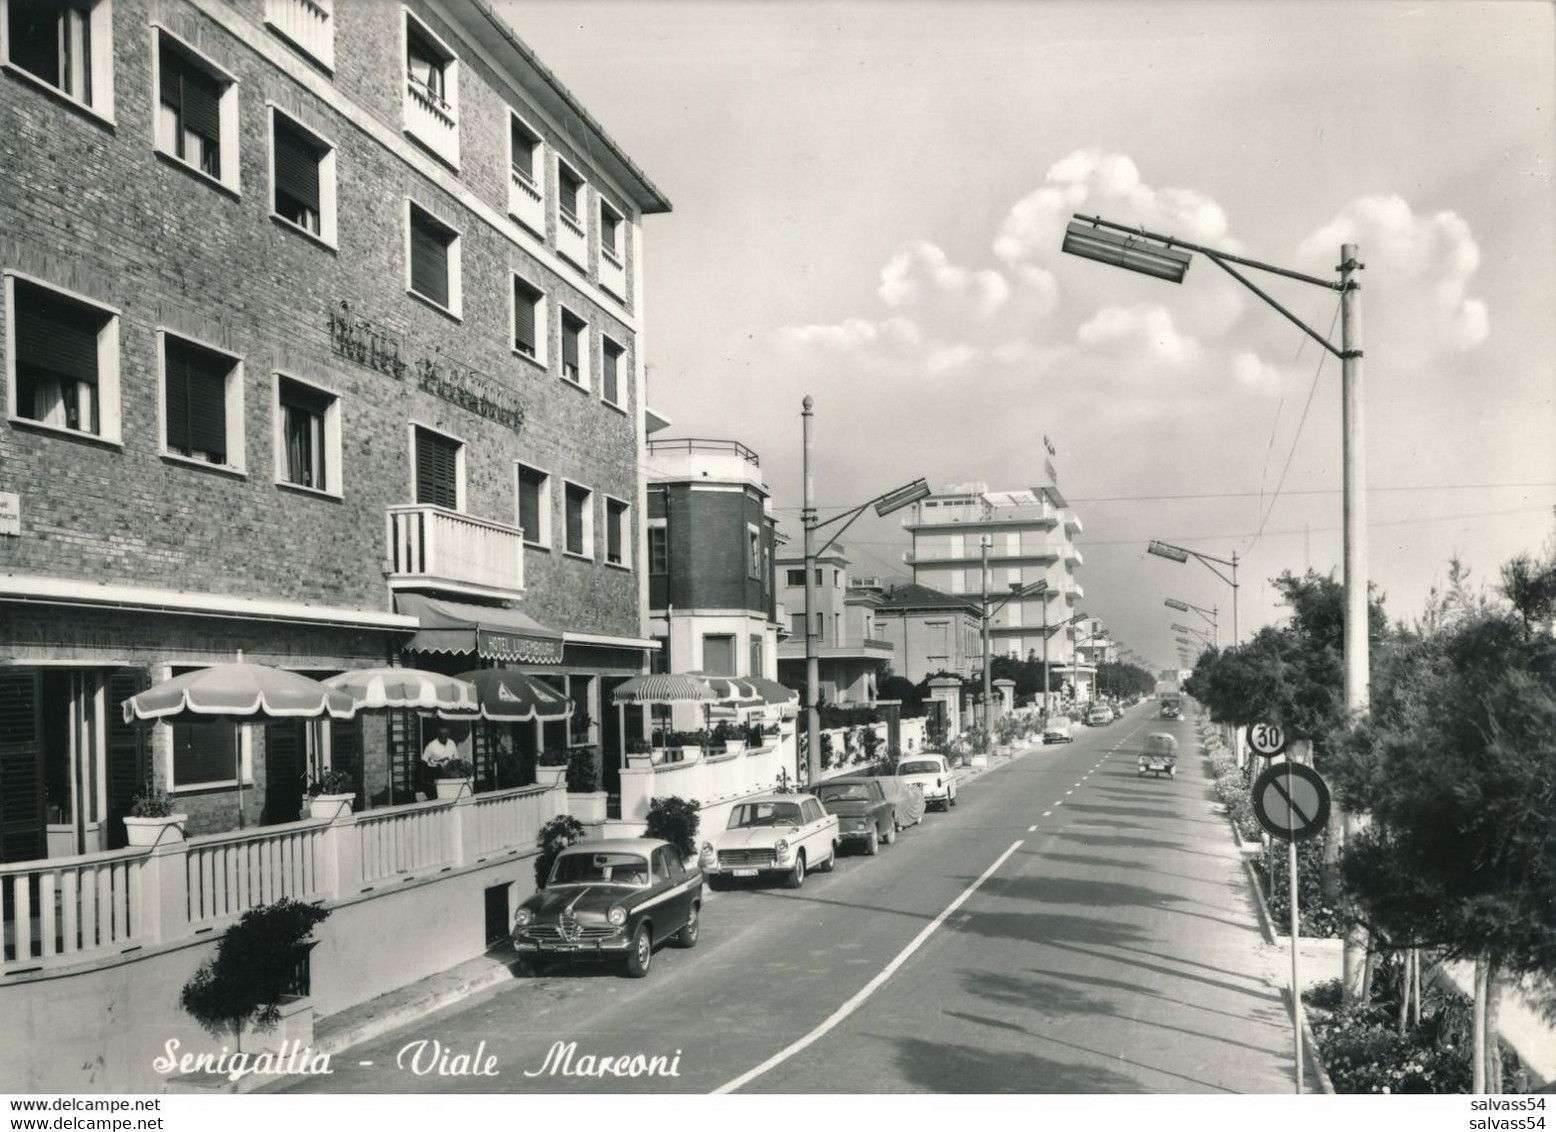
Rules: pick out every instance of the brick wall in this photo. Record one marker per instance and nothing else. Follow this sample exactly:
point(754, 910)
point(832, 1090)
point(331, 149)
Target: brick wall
point(94, 209)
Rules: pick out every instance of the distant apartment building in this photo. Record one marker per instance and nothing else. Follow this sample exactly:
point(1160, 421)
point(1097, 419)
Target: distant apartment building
point(322, 341)
point(850, 651)
point(712, 603)
point(1030, 537)
point(930, 632)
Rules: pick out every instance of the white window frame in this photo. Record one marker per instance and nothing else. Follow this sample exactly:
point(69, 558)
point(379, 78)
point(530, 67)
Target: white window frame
point(277, 21)
point(753, 552)
point(624, 537)
point(606, 344)
point(584, 343)
point(108, 409)
point(332, 437)
point(455, 262)
point(327, 215)
point(613, 248)
point(245, 764)
point(538, 164)
point(461, 449)
point(588, 521)
point(232, 410)
point(100, 34)
point(450, 82)
point(542, 537)
point(226, 109)
point(580, 218)
point(657, 525)
point(542, 320)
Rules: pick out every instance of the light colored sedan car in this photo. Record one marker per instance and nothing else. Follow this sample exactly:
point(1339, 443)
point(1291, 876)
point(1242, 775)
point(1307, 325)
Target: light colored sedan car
point(932, 775)
point(1058, 729)
point(784, 834)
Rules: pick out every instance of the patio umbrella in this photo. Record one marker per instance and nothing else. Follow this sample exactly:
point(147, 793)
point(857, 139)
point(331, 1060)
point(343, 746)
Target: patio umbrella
point(665, 688)
point(413, 688)
point(729, 689)
point(238, 693)
point(506, 695)
point(771, 691)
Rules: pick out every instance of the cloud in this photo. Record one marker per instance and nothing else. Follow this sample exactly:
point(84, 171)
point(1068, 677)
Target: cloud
point(921, 276)
point(1415, 288)
point(1255, 374)
point(853, 335)
point(1147, 332)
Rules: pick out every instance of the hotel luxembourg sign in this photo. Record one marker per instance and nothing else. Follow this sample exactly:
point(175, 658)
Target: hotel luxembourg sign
point(370, 345)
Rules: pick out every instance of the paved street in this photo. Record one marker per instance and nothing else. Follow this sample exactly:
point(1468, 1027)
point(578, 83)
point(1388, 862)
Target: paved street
point(1113, 949)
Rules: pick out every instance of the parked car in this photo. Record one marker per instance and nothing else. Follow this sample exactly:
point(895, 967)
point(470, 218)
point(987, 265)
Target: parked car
point(785, 834)
point(908, 800)
point(1058, 729)
point(932, 775)
point(865, 815)
point(1160, 755)
point(613, 899)
point(1099, 716)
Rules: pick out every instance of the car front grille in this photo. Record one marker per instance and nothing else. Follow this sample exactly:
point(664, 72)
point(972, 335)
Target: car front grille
point(744, 858)
point(570, 931)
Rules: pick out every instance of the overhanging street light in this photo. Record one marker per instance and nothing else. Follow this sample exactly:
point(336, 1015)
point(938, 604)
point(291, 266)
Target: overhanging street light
point(1128, 251)
point(1209, 615)
point(1183, 554)
point(884, 504)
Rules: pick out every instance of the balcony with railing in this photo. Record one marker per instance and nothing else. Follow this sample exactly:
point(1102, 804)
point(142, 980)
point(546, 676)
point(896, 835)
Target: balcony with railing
point(526, 200)
point(613, 272)
point(308, 24)
point(430, 119)
point(572, 238)
point(432, 546)
point(696, 458)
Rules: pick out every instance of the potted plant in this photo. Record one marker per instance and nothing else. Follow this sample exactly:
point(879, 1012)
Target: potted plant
point(675, 820)
point(640, 752)
point(151, 820)
point(585, 798)
point(331, 794)
point(551, 768)
point(256, 968)
point(453, 778)
point(691, 743)
point(728, 738)
point(556, 835)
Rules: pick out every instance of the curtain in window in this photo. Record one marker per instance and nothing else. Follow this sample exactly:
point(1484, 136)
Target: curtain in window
point(429, 261)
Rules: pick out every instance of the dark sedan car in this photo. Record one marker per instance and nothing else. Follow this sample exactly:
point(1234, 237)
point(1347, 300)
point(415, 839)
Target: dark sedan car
point(613, 899)
point(865, 815)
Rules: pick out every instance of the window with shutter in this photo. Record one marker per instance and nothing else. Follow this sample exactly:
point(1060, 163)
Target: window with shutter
point(437, 470)
point(195, 381)
point(425, 64)
point(658, 550)
point(205, 753)
point(524, 146)
point(532, 487)
point(304, 419)
point(21, 767)
point(57, 359)
point(429, 258)
point(189, 113)
point(577, 504)
point(52, 41)
point(297, 188)
point(615, 532)
point(572, 333)
point(526, 309)
point(570, 188)
point(610, 379)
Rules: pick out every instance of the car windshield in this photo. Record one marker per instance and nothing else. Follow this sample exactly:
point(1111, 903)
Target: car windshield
point(629, 869)
point(844, 792)
point(923, 766)
point(753, 814)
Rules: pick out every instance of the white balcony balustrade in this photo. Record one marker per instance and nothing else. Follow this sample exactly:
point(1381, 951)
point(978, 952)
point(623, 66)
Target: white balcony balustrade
point(308, 24)
point(572, 240)
point(430, 120)
point(526, 201)
point(431, 545)
point(613, 273)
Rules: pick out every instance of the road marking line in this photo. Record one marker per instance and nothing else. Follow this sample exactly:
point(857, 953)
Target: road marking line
point(1060, 802)
point(1047, 812)
point(1067, 793)
point(869, 988)
point(1031, 829)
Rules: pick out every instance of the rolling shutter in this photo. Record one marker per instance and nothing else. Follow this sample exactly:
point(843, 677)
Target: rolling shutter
point(525, 299)
point(429, 261)
point(576, 501)
point(195, 95)
point(55, 334)
point(570, 336)
point(297, 167)
point(437, 470)
point(611, 359)
point(21, 768)
point(196, 380)
point(529, 503)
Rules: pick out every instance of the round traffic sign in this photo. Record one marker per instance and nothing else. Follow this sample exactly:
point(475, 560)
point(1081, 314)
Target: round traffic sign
point(1290, 801)
point(1265, 739)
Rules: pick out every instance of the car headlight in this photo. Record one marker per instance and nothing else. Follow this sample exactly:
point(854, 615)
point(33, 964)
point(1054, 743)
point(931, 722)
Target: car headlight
point(617, 917)
point(782, 848)
point(708, 852)
point(522, 917)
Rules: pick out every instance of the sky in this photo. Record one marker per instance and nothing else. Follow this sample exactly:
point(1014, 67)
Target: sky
point(869, 201)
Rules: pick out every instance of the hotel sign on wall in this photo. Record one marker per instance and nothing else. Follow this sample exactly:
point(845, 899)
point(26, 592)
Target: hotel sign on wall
point(518, 648)
point(365, 342)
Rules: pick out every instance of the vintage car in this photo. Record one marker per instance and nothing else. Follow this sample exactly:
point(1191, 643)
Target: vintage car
point(786, 834)
point(1172, 706)
point(865, 815)
point(932, 776)
point(1058, 729)
point(1099, 716)
point(612, 899)
point(1160, 755)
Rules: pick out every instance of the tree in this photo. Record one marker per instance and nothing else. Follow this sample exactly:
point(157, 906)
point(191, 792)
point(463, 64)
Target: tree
point(1456, 769)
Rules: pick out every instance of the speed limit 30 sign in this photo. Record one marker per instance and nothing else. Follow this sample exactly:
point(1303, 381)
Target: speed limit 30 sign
point(1265, 739)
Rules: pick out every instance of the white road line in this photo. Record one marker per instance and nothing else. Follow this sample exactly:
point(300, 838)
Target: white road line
point(1060, 802)
point(1031, 829)
point(1047, 812)
point(1067, 793)
point(869, 988)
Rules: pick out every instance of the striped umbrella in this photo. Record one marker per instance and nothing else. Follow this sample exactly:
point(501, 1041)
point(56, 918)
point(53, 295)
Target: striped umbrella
point(506, 695)
point(238, 693)
point(412, 688)
point(730, 689)
point(771, 691)
point(665, 688)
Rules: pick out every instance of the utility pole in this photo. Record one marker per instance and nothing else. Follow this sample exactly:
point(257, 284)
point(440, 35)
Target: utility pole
point(988, 708)
point(812, 664)
point(1045, 650)
point(1357, 663)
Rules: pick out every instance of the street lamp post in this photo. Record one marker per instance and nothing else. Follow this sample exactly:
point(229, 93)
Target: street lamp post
point(1209, 615)
point(885, 504)
point(1183, 554)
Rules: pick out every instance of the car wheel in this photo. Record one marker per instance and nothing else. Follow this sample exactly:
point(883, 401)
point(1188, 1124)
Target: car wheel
point(687, 936)
point(891, 834)
point(642, 953)
point(796, 875)
point(872, 846)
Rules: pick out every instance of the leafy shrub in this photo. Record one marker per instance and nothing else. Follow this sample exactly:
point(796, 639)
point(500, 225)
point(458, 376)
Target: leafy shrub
point(332, 782)
point(1319, 915)
point(872, 743)
point(152, 802)
point(554, 756)
point(582, 777)
point(556, 835)
point(836, 715)
point(1232, 786)
point(826, 750)
point(255, 966)
point(675, 820)
point(453, 768)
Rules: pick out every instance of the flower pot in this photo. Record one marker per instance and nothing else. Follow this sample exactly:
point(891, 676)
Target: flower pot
point(551, 777)
point(588, 808)
point(453, 787)
point(734, 746)
point(691, 754)
point(330, 806)
point(645, 760)
point(155, 831)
